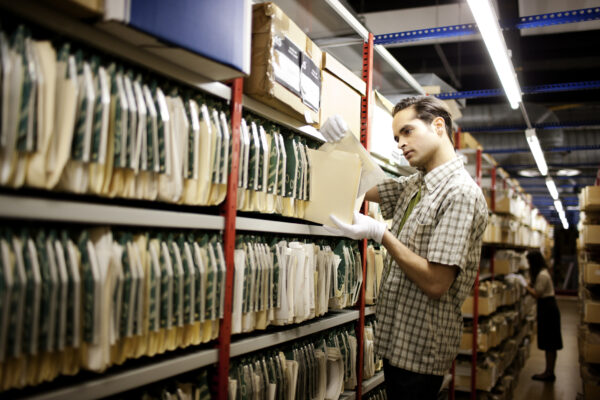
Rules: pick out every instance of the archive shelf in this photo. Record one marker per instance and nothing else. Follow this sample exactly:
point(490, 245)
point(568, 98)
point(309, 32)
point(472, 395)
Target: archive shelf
point(46, 16)
point(136, 373)
point(519, 337)
point(47, 209)
point(121, 378)
point(286, 334)
point(265, 225)
point(368, 385)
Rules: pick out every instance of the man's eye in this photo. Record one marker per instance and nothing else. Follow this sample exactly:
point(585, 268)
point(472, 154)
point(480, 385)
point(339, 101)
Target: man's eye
point(396, 139)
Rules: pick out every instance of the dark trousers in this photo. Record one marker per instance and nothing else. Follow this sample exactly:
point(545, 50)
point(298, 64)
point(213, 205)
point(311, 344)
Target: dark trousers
point(407, 385)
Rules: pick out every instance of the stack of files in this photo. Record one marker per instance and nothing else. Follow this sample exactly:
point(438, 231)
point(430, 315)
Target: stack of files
point(277, 282)
point(377, 394)
point(319, 368)
point(88, 299)
point(75, 122)
point(375, 256)
point(372, 362)
point(191, 387)
point(274, 174)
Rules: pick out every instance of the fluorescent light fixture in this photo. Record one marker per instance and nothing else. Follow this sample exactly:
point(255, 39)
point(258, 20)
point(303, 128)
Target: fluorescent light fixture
point(559, 207)
point(487, 22)
point(568, 172)
point(536, 150)
point(529, 172)
point(359, 28)
point(565, 223)
point(552, 188)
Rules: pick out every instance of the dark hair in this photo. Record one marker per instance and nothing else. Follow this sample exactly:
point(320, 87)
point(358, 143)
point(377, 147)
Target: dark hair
point(427, 108)
point(537, 263)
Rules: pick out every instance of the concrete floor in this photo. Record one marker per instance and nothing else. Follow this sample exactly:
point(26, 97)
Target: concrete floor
point(568, 380)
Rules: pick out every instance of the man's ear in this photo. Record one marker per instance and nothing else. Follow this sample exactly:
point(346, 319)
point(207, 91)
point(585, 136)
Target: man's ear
point(439, 126)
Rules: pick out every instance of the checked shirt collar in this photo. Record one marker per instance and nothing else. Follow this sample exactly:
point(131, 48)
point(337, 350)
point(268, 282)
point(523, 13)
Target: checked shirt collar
point(441, 173)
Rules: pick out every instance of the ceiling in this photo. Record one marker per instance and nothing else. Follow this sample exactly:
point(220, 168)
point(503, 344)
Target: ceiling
point(559, 54)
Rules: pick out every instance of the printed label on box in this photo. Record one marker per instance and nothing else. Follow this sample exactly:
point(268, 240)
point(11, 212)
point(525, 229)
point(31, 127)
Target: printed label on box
point(287, 63)
point(310, 83)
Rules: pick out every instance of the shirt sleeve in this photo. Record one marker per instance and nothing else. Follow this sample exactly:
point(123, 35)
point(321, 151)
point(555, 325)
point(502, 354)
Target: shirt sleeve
point(452, 237)
point(389, 192)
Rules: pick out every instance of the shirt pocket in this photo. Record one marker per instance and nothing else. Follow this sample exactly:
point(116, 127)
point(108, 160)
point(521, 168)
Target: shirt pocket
point(423, 225)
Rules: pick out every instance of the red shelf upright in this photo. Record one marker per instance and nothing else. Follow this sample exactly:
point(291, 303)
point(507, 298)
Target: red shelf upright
point(229, 212)
point(365, 130)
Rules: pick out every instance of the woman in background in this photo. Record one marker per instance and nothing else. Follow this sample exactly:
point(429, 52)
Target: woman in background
point(548, 316)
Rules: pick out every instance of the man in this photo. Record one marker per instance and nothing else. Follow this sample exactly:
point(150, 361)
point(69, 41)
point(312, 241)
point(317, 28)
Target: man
point(439, 215)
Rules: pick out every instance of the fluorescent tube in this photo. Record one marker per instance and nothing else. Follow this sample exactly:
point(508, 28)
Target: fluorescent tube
point(559, 207)
point(536, 151)
point(487, 22)
point(552, 188)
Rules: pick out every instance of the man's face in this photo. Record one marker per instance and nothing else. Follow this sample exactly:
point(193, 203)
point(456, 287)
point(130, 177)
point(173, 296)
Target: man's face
point(417, 139)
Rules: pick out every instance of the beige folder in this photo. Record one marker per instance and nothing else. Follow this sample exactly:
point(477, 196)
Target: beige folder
point(333, 186)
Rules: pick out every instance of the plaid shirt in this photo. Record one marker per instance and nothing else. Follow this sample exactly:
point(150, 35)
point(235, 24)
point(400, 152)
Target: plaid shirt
point(415, 332)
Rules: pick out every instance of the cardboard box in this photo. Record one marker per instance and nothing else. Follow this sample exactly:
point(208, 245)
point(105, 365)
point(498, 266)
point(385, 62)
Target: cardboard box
point(591, 273)
point(591, 311)
point(341, 93)
point(286, 65)
point(486, 305)
point(591, 234)
point(591, 198)
point(79, 8)
point(486, 378)
point(484, 342)
point(467, 141)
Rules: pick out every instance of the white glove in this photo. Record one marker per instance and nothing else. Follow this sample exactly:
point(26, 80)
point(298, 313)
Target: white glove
point(518, 278)
point(363, 228)
point(334, 129)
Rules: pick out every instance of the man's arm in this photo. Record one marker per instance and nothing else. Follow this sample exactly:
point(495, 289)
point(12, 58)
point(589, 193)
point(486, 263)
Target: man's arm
point(432, 278)
point(373, 195)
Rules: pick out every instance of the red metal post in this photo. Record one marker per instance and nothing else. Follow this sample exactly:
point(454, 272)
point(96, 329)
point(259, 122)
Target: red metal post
point(457, 137)
point(365, 129)
point(229, 212)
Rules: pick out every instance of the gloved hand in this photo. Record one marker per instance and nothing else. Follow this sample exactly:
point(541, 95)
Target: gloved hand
point(334, 128)
point(363, 227)
point(517, 278)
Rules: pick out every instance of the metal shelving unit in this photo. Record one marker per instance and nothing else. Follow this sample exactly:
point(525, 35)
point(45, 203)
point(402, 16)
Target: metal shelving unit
point(50, 18)
point(31, 207)
point(120, 379)
point(286, 334)
point(368, 385)
point(46, 209)
point(265, 225)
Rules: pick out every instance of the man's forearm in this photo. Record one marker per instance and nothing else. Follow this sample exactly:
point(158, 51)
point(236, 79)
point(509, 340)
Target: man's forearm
point(433, 279)
point(373, 195)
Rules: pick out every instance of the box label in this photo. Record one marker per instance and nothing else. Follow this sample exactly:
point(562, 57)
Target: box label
point(310, 83)
point(287, 63)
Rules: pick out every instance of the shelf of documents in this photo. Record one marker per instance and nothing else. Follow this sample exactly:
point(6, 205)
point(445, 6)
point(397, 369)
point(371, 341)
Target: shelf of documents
point(265, 225)
point(367, 386)
point(55, 20)
point(45, 209)
point(496, 374)
point(260, 341)
point(123, 378)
